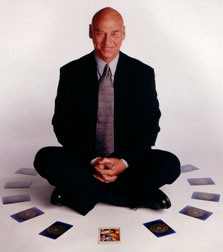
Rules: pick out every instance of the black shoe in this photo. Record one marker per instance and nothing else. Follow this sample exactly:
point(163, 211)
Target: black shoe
point(156, 200)
point(56, 198)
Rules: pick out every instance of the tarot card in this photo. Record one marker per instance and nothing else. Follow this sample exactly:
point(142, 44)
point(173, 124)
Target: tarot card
point(26, 171)
point(27, 214)
point(18, 184)
point(196, 212)
point(206, 196)
point(56, 230)
point(159, 228)
point(200, 181)
point(188, 168)
point(16, 198)
point(109, 235)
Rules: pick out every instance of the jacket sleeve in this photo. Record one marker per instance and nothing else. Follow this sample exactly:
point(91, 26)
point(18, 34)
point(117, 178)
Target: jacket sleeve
point(61, 112)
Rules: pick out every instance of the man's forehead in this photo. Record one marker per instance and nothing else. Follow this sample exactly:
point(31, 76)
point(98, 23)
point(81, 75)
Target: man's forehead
point(103, 30)
point(114, 25)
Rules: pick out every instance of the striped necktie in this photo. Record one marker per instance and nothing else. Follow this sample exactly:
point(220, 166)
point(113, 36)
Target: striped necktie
point(105, 116)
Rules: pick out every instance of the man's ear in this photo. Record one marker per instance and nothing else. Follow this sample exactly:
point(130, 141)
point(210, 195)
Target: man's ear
point(90, 31)
point(123, 32)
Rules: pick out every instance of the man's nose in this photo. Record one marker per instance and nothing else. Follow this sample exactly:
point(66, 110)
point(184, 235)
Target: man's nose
point(107, 39)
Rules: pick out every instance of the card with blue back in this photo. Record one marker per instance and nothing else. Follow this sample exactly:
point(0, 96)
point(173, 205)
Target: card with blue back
point(56, 230)
point(159, 228)
point(27, 214)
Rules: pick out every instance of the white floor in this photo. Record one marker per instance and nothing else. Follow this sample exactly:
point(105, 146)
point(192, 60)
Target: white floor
point(192, 235)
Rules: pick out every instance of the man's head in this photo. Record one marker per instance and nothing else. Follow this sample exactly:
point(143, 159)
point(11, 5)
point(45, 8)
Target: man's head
point(107, 32)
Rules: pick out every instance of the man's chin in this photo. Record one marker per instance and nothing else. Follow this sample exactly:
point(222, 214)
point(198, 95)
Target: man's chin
point(107, 57)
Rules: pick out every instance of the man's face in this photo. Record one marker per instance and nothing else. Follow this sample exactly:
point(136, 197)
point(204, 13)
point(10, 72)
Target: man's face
point(107, 34)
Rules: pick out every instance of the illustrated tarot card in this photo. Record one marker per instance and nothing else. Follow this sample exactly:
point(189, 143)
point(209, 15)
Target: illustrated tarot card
point(109, 235)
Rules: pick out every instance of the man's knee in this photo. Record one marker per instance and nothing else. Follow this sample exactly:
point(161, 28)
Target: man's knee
point(166, 164)
point(42, 158)
point(173, 167)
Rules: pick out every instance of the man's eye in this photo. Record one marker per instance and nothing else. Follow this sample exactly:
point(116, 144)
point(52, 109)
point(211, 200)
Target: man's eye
point(100, 34)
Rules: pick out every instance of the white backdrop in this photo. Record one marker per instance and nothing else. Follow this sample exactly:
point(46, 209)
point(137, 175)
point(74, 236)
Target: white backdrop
point(181, 40)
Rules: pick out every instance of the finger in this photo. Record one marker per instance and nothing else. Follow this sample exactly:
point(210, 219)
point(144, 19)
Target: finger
point(99, 178)
point(105, 160)
point(99, 167)
point(109, 166)
point(107, 177)
point(110, 179)
point(97, 160)
point(105, 172)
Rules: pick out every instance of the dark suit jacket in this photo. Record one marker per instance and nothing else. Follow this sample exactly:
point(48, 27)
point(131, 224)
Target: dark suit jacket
point(136, 112)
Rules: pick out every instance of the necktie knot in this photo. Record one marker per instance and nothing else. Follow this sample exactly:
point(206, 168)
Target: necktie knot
point(107, 72)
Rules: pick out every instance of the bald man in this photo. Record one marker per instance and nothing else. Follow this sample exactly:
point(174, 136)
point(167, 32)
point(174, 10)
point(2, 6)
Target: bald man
point(107, 120)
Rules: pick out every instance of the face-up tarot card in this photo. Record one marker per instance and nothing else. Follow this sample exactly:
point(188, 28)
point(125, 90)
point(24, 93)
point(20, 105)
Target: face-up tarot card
point(196, 212)
point(109, 235)
point(26, 171)
point(18, 184)
point(206, 196)
point(188, 168)
point(200, 181)
point(27, 214)
point(56, 230)
point(16, 198)
point(159, 228)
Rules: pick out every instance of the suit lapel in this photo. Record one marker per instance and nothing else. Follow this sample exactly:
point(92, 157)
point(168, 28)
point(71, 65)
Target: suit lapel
point(121, 82)
point(91, 71)
point(92, 89)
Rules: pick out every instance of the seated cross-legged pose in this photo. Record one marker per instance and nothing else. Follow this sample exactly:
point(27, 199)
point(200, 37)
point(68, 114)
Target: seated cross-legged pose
point(107, 119)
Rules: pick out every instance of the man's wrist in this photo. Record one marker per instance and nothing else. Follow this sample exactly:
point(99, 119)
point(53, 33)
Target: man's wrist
point(93, 160)
point(125, 163)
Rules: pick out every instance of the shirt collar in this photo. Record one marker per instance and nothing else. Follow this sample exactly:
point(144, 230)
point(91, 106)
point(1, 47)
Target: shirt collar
point(101, 65)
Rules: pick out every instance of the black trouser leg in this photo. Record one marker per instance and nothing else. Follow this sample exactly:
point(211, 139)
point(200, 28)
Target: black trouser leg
point(154, 170)
point(73, 176)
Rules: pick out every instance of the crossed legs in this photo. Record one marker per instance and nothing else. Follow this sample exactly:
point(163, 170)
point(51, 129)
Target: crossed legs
point(74, 177)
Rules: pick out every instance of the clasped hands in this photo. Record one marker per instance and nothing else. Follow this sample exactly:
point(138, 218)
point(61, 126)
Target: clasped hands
point(108, 169)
